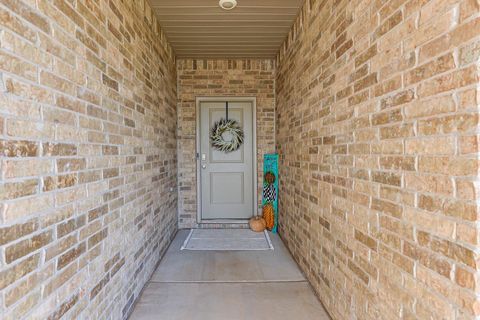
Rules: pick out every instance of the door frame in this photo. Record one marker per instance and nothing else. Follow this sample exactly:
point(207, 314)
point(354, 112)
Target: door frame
point(253, 101)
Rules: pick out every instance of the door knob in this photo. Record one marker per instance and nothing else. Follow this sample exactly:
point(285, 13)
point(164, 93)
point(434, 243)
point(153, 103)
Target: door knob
point(204, 166)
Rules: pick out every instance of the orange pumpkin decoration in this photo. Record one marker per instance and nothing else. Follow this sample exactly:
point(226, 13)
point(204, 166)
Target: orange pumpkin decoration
point(257, 224)
point(268, 214)
point(269, 177)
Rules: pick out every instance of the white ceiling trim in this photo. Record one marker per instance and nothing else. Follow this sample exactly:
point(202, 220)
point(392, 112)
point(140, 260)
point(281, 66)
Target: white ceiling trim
point(200, 28)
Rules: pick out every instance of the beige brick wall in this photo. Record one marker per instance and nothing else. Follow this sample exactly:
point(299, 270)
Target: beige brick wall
point(88, 156)
point(214, 78)
point(377, 128)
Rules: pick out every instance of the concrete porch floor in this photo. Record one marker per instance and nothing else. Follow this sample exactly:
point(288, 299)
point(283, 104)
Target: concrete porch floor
point(232, 285)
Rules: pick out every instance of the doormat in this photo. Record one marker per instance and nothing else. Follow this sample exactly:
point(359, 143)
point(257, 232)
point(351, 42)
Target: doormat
point(227, 240)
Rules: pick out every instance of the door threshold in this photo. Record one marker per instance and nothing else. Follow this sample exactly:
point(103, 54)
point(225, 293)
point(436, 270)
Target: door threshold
point(224, 221)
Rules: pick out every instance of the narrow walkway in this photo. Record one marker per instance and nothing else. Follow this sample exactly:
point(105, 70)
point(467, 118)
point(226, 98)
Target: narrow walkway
point(233, 285)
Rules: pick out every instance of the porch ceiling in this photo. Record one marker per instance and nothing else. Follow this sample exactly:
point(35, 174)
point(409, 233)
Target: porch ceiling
point(200, 28)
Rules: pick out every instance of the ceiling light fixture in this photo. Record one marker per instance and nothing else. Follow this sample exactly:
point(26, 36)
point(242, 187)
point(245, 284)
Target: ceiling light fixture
point(227, 4)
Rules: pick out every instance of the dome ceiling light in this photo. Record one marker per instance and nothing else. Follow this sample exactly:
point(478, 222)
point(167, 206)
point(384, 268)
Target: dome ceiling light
point(227, 4)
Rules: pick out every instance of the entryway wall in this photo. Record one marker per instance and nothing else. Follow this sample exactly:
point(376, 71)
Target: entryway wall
point(377, 131)
point(219, 78)
point(88, 156)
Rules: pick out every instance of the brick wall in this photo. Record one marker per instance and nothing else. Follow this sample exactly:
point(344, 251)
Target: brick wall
point(213, 78)
point(377, 127)
point(88, 155)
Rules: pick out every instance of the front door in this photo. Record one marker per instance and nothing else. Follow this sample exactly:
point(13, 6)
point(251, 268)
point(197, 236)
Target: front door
point(226, 179)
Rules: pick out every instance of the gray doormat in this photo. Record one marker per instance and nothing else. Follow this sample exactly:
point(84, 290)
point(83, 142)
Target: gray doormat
point(227, 240)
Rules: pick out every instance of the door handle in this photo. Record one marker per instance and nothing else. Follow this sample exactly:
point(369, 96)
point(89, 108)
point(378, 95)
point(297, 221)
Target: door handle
point(204, 166)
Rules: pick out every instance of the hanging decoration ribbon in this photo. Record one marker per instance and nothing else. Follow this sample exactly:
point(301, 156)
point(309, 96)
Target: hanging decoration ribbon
point(226, 110)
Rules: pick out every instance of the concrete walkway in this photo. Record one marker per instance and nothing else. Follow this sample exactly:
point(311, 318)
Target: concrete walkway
point(233, 285)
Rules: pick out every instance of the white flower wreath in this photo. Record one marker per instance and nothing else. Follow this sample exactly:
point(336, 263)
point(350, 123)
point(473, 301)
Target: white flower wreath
point(226, 135)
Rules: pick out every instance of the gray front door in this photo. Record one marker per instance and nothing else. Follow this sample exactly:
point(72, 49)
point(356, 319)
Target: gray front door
point(226, 179)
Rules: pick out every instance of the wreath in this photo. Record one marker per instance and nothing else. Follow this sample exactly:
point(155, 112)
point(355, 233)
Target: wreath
point(226, 135)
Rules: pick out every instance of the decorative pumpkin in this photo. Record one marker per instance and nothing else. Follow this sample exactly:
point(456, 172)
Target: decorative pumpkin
point(269, 177)
point(268, 213)
point(257, 224)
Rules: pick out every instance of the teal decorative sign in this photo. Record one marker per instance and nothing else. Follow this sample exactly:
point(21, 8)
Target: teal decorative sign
point(270, 191)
